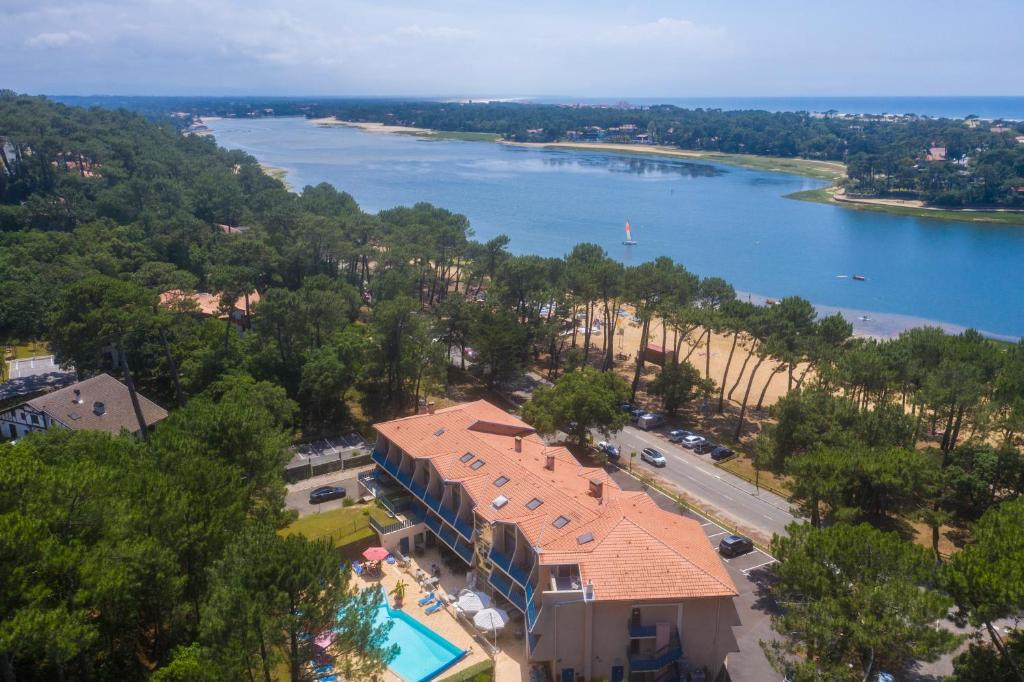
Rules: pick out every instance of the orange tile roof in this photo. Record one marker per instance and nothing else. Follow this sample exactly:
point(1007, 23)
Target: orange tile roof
point(208, 304)
point(639, 550)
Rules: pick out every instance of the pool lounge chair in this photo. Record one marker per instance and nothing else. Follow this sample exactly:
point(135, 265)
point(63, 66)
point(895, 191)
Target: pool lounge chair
point(427, 599)
point(357, 568)
point(436, 606)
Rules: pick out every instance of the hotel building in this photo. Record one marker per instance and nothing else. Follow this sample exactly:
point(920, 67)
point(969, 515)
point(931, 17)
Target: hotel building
point(609, 585)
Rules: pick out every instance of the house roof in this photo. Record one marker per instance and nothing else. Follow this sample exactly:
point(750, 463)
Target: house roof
point(631, 548)
point(78, 411)
point(208, 304)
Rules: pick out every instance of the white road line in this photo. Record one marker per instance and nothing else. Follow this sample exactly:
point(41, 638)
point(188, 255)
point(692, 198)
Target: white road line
point(745, 570)
point(728, 498)
point(767, 517)
point(717, 534)
point(707, 524)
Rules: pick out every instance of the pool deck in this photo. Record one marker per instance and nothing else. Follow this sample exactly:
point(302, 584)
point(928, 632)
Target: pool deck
point(510, 660)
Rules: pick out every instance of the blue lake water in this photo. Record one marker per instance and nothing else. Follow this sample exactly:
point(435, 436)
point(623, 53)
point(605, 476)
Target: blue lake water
point(715, 219)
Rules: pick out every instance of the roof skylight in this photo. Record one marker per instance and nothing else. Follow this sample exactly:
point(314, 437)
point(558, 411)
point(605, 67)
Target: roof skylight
point(499, 501)
point(500, 481)
point(466, 457)
point(476, 465)
point(560, 522)
point(534, 503)
point(585, 538)
point(439, 432)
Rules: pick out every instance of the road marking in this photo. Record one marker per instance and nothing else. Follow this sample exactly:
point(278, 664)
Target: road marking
point(727, 497)
point(767, 517)
point(745, 570)
point(718, 477)
point(709, 523)
point(717, 534)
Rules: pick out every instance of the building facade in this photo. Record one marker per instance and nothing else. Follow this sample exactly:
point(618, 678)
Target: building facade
point(609, 585)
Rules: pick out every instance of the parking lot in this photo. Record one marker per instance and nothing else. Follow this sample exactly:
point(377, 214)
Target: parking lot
point(326, 455)
point(297, 497)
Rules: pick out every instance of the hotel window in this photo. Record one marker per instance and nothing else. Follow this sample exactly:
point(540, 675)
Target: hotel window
point(466, 457)
point(560, 522)
point(476, 465)
point(534, 503)
point(500, 481)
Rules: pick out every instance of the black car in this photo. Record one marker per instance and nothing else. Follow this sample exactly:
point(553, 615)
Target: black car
point(705, 447)
point(735, 545)
point(721, 452)
point(326, 493)
point(626, 407)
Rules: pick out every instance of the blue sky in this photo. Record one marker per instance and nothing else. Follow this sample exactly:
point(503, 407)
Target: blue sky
point(474, 48)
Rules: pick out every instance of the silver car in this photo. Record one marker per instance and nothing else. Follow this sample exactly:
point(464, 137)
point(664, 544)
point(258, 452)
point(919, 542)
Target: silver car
point(692, 441)
point(652, 456)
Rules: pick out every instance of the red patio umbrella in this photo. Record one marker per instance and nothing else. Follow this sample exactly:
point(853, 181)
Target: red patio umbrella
point(375, 554)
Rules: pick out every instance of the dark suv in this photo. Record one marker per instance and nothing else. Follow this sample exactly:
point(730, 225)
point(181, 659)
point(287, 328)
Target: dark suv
point(326, 493)
point(704, 448)
point(735, 545)
point(721, 452)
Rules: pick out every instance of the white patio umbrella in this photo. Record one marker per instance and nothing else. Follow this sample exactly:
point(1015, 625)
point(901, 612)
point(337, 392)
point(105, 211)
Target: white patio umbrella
point(491, 619)
point(472, 602)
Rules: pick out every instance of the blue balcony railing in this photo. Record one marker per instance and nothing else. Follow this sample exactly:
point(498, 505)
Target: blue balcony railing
point(504, 562)
point(508, 589)
point(642, 631)
point(531, 613)
point(446, 514)
point(641, 663)
point(431, 501)
point(466, 529)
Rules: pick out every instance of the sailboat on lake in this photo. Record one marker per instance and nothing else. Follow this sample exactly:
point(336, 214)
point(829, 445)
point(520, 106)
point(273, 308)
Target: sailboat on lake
point(629, 241)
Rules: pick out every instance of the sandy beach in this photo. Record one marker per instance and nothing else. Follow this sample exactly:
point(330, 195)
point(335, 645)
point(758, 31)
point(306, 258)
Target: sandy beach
point(372, 127)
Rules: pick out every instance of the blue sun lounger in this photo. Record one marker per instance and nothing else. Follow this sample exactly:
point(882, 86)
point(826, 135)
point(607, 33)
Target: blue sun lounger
point(427, 599)
point(357, 568)
point(436, 606)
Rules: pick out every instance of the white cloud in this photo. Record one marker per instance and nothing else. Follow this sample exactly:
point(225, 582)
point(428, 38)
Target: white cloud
point(58, 39)
point(665, 33)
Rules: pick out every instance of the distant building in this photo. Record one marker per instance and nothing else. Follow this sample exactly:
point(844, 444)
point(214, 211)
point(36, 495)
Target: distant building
point(936, 154)
point(9, 158)
point(101, 403)
point(1020, 139)
point(209, 305)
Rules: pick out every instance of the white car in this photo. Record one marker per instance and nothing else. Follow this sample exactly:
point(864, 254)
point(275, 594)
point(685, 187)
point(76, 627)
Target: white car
point(692, 441)
point(652, 456)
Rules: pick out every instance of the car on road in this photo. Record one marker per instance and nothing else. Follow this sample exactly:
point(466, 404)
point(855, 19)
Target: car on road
point(652, 456)
point(609, 449)
point(650, 421)
point(676, 435)
point(721, 452)
point(692, 441)
point(705, 447)
point(735, 545)
point(636, 413)
point(326, 493)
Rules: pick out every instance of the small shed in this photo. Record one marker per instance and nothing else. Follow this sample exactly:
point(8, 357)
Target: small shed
point(655, 354)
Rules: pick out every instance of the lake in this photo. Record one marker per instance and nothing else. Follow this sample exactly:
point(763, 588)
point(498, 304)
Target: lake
point(715, 219)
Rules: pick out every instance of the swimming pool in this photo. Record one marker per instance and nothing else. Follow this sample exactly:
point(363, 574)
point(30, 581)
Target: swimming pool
point(423, 654)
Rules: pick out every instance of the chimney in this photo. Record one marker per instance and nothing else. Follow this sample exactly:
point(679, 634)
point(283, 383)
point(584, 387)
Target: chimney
point(99, 408)
point(78, 397)
point(549, 462)
point(597, 488)
point(430, 407)
point(519, 443)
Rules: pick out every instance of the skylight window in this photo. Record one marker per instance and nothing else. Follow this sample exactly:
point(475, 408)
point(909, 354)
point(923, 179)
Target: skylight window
point(476, 465)
point(466, 457)
point(499, 501)
point(560, 522)
point(585, 538)
point(534, 503)
point(439, 432)
point(500, 481)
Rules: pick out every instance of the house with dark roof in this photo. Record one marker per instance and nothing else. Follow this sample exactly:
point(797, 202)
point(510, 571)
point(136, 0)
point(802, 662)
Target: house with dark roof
point(101, 403)
point(608, 584)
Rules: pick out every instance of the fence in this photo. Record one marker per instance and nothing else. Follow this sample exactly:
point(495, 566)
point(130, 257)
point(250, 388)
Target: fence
point(326, 456)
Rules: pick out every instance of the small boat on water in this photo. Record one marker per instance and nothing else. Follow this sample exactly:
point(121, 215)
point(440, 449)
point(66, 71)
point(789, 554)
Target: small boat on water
point(864, 318)
point(629, 241)
point(859, 278)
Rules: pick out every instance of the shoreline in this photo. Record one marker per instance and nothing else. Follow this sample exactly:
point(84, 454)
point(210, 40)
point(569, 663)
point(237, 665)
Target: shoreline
point(829, 195)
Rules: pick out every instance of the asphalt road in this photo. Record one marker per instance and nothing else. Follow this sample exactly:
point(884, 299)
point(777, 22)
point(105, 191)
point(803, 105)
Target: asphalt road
point(726, 496)
point(297, 497)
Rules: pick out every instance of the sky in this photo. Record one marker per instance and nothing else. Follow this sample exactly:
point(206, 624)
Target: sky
point(499, 48)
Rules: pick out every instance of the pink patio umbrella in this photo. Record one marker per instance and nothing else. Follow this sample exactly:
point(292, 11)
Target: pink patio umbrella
point(324, 640)
point(375, 554)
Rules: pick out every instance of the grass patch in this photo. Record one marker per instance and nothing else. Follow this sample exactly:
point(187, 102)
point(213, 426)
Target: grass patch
point(824, 196)
point(479, 672)
point(451, 135)
point(743, 467)
point(342, 526)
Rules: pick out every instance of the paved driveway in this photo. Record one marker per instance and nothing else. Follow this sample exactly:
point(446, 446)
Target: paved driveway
point(297, 497)
point(31, 375)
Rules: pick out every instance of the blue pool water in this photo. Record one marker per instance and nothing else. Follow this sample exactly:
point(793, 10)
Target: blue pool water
point(423, 654)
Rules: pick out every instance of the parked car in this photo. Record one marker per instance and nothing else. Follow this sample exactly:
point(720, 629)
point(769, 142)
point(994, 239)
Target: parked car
point(652, 456)
point(705, 447)
point(636, 413)
point(692, 441)
point(609, 449)
point(627, 407)
point(735, 545)
point(650, 421)
point(676, 435)
point(721, 452)
point(326, 493)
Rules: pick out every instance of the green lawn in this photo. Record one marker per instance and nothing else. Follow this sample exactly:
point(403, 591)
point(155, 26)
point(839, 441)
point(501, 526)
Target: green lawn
point(824, 196)
point(343, 526)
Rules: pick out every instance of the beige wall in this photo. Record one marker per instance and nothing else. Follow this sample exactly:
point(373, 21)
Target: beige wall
point(564, 632)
